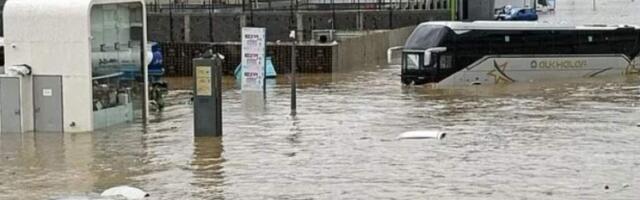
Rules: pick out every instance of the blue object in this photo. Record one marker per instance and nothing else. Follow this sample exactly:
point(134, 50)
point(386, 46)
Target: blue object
point(155, 67)
point(517, 14)
point(271, 70)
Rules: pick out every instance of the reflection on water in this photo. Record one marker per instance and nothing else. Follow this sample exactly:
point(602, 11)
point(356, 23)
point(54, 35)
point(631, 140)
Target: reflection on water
point(558, 140)
point(206, 166)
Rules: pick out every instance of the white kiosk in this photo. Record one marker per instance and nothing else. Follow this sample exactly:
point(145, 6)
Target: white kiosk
point(73, 65)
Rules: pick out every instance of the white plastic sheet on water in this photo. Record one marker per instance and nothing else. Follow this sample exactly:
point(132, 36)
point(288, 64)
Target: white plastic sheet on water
point(127, 192)
point(422, 134)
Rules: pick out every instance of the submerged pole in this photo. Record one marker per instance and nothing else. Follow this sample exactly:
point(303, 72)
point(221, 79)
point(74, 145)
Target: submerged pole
point(293, 77)
point(294, 36)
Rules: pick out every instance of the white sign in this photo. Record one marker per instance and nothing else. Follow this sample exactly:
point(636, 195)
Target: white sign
point(253, 58)
point(203, 81)
point(47, 92)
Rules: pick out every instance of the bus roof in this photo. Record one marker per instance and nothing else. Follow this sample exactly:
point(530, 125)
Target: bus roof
point(519, 25)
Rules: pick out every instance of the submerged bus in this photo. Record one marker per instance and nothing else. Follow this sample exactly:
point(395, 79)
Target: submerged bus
point(475, 53)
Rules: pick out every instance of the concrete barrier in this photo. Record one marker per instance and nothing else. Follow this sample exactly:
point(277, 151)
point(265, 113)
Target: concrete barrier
point(369, 50)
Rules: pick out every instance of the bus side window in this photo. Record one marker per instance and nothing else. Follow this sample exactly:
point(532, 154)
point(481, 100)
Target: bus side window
point(445, 62)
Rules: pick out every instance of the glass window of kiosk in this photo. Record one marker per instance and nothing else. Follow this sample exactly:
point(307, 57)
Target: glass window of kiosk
point(116, 62)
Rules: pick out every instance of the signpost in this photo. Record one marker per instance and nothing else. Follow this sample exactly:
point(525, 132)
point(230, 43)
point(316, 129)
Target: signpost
point(253, 59)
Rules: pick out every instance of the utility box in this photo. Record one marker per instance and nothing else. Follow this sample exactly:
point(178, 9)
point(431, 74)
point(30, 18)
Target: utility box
point(207, 100)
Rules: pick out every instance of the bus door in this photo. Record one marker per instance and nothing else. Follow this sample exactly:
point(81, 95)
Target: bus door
point(433, 69)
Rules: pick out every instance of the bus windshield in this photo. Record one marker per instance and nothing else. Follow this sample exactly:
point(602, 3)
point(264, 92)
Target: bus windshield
point(413, 61)
point(427, 36)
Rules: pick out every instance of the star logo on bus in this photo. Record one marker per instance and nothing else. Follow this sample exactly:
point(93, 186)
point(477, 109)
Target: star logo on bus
point(498, 73)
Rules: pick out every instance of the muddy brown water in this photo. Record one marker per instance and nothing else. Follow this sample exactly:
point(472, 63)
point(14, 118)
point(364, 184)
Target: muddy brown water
point(556, 140)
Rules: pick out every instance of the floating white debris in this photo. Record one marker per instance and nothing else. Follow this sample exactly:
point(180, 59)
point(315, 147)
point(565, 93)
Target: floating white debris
point(422, 134)
point(127, 192)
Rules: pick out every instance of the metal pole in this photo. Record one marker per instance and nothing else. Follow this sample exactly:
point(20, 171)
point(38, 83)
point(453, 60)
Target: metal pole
point(333, 15)
point(594, 5)
point(251, 11)
point(390, 18)
point(293, 64)
point(211, 9)
point(171, 22)
point(360, 20)
point(145, 73)
point(293, 77)
point(264, 76)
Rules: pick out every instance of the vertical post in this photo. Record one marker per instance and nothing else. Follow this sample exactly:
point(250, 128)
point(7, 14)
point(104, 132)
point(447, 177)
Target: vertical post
point(171, 21)
point(360, 17)
point(251, 13)
point(264, 71)
point(452, 8)
point(294, 35)
point(211, 10)
point(187, 28)
point(293, 77)
point(243, 21)
point(299, 26)
point(207, 100)
point(594, 5)
point(390, 18)
point(333, 15)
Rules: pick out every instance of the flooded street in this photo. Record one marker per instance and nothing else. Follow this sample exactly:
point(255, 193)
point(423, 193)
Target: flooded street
point(581, 12)
point(576, 139)
point(524, 141)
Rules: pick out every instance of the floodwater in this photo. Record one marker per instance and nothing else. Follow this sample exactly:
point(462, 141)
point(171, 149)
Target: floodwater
point(558, 140)
point(582, 12)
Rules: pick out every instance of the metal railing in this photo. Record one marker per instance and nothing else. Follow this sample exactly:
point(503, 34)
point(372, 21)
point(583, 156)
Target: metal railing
point(299, 5)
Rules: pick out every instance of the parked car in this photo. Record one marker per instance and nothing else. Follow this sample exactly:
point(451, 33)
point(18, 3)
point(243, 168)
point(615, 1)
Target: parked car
point(516, 14)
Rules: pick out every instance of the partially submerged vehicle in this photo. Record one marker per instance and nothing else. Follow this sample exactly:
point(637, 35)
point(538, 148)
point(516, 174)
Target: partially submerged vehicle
point(517, 14)
point(474, 53)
